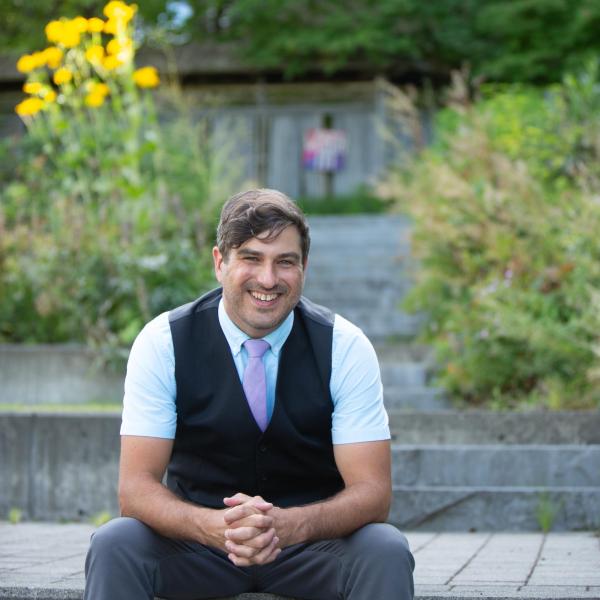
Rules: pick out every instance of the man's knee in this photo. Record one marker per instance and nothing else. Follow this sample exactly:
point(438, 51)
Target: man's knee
point(119, 538)
point(382, 544)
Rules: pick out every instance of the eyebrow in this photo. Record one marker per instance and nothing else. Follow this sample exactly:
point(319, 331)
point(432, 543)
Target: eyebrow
point(250, 252)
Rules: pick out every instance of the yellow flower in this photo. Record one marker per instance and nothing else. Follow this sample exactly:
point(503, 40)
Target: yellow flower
point(110, 63)
point(95, 25)
point(81, 24)
point(26, 63)
point(49, 96)
point(119, 11)
point(123, 50)
point(29, 106)
point(110, 27)
point(71, 35)
point(94, 100)
point(53, 56)
point(94, 54)
point(65, 33)
point(63, 75)
point(100, 88)
point(33, 87)
point(146, 77)
point(40, 59)
point(54, 31)
point(115, 46)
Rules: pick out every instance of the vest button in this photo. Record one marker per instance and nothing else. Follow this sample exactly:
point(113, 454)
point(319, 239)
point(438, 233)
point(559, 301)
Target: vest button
point(264, 478)
point(263, 448)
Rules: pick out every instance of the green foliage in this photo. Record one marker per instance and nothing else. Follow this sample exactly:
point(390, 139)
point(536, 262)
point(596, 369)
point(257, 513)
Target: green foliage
point(97, 239)
point(105, 212)
point(360, 202)
point(545, 512)
point(15, 516)
point(521, 40)
point(101, 518)
point(506, 224)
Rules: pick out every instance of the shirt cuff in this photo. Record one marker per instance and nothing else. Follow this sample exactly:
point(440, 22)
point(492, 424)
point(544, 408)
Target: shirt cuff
point(361, 435)
point(146, 431)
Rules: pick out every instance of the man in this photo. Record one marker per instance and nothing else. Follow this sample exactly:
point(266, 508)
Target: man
point(266, 413)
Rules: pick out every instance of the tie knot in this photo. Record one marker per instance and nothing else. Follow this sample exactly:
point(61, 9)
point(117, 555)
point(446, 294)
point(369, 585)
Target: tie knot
point(256, 348)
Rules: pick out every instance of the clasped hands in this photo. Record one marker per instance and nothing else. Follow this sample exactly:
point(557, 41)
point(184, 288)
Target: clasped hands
point(250, 536)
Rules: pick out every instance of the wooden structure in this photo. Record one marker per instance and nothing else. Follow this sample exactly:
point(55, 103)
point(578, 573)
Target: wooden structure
point(263, 118)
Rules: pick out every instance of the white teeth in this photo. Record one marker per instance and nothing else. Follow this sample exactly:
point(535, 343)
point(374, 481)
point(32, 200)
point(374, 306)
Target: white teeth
point(264, 297)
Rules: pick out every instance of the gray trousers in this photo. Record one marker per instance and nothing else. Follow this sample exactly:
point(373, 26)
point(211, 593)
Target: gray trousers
point(127, 560)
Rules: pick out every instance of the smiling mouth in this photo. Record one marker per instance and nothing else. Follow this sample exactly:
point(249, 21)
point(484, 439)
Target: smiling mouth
point(264, 297)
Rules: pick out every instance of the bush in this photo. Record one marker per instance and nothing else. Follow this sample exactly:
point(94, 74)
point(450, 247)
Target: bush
point(507, 214)
point(104, 208)
point(362, 201)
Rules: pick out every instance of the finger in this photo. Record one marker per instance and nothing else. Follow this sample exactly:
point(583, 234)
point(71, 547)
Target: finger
point(241, 512)
point(236, 499)
point(241, 498)
point(241, 550)
point(267, 555)
point(242, 534)
point(254, 538)
point(262, 540)
point(261, 503)
point(258, 521)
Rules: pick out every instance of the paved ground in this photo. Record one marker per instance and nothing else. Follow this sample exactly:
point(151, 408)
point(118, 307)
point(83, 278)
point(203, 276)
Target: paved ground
point(45, 561)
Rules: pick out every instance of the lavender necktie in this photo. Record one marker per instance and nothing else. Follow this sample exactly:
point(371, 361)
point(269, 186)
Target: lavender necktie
point(255, 385)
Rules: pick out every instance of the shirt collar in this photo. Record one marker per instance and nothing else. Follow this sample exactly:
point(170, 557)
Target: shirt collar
point(236, 337)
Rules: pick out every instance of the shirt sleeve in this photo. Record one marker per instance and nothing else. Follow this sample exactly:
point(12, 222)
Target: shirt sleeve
point(359, 414)
point(149, 400)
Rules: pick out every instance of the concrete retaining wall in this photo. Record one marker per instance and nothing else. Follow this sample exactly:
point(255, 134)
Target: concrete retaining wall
point(65, 466)
point(59, 466)
point(55, 373)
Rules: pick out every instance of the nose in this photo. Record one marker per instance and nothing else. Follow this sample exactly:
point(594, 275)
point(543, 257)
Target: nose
point(266, 276)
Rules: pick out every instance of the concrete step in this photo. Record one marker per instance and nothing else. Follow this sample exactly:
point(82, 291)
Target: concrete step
point(353, 249)
point(380, 327)
point(495, 508)
point(496, 466)
point(404, 352)
point(403, 374)
point(343, 271)
point(330, 224)
point(491, 427)
point(344, 297)
point(413, 398)
point(64, 466)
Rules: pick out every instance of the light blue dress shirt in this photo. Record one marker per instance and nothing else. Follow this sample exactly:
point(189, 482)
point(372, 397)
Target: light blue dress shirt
point(149, 403)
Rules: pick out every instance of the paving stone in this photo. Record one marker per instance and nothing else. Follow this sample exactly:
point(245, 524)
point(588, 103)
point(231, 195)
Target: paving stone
point(443, 563)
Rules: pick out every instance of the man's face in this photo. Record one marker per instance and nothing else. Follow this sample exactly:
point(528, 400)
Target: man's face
point(262, 281)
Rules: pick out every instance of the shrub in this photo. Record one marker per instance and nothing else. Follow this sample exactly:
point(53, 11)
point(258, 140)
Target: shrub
point(361, 201)
point(507, 213)
point(104, 208)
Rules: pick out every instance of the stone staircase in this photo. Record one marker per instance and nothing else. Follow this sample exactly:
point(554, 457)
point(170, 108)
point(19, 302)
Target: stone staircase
point(452, 470)
point(359, 267)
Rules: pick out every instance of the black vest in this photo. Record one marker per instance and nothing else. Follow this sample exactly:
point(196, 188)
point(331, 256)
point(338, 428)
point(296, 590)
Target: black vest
point(219, 449)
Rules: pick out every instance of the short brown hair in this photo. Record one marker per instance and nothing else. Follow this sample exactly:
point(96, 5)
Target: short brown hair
point(250, 213)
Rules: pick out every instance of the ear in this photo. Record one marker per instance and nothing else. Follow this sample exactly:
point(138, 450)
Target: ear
point(218, 263)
